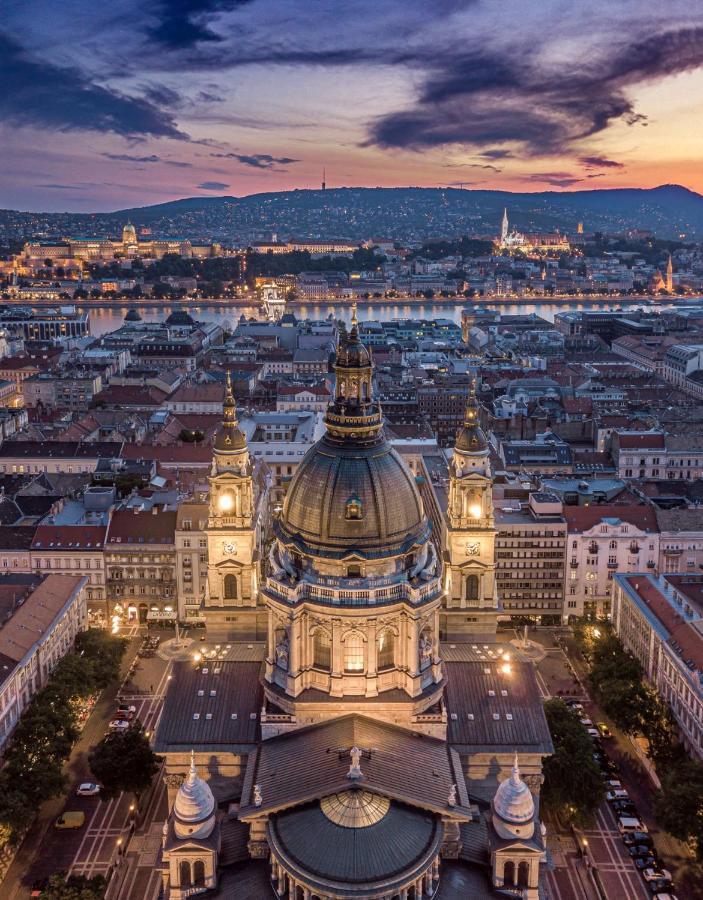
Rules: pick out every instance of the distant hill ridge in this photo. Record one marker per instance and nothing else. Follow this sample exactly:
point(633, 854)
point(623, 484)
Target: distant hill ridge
point(669, 210)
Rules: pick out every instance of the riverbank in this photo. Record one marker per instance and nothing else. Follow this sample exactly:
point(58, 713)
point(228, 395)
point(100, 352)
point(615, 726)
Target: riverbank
point(252, 301)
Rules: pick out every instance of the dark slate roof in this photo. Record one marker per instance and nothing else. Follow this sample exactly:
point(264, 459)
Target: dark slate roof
point(7, 667)
point(59, 449)
point(237, 690)
point(16, 537)
point(513, 720)
point(312, 762)
point(36, 505)
point(9, 511)
point(356, 856)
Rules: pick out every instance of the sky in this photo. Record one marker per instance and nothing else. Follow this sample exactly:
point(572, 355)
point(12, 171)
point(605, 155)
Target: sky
point(112, 105)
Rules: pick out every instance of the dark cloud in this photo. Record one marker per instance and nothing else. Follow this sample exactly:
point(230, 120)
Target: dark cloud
point(596, 175)
point(185, 23)
point(213, 186)
point(62, 187)
point(152, 158)
point(481, 97)
point(257, 160)
point(600, 162)
point(488, 166)
point(42, 94)
point(496, 154)
point(556, 179)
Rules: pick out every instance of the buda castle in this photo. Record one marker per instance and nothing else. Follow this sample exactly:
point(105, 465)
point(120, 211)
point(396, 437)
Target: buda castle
point(352, 727)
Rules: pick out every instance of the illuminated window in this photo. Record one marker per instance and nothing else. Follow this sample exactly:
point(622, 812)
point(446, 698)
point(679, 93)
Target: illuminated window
point(322, 650)
point(386, 650)
point(354, 653)
point(353, 509)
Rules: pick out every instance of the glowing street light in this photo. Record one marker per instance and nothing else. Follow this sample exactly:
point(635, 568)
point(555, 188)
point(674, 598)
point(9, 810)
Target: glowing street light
point(197, 656)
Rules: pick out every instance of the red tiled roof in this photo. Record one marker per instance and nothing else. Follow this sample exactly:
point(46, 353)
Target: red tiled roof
point(69, 537)
point(640, 441)
point(583, 405)
point(685, 635)
point(583, 518)
point(292, 390)
point(154, 526)
point(131, 395)
point(199, 393)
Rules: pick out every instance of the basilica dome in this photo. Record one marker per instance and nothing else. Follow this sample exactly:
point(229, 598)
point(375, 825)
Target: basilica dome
point(353, 497)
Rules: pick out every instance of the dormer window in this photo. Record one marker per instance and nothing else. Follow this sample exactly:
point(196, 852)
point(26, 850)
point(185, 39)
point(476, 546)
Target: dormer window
point(353, 508)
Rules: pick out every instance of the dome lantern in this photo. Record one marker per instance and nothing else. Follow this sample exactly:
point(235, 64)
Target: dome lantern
point(514, 807)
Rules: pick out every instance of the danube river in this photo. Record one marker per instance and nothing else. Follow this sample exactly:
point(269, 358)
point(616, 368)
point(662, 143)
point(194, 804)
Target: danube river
point(104, 320)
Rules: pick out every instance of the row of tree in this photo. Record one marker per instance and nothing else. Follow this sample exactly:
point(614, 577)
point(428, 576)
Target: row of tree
point(42, 741)
point(573, 784)
point(636, 708)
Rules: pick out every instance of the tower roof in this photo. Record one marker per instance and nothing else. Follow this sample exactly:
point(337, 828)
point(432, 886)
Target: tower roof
point(470, 438)
point(230, 438)
point(194, 802)
point(513, 801)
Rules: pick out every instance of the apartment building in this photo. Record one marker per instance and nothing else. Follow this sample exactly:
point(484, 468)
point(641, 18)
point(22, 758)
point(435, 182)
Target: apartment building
point(680, 540)
point(602, 540)
point(41, 615)
point(659, 619)
point(191, 559)
point(75, 550)
point(530, 553)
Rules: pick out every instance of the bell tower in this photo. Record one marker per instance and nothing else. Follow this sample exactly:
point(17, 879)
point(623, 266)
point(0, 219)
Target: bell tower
point(471, 601)
point(233, 533)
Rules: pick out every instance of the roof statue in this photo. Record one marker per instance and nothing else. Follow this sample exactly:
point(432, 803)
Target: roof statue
point(355, 767)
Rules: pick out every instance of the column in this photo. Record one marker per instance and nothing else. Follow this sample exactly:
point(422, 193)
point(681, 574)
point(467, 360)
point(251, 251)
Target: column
point(428, 882)
point(404, 894)
point(435, 869)
point(418, 889)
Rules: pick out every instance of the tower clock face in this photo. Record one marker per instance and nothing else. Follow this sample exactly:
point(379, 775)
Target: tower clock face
point(229, 547)
point(473, 548)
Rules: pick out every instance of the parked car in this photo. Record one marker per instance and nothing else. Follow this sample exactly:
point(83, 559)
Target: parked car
point(593, 732)
point(88, 789)
point(604, 730)
point(617, 794)
point(637, 850)
point(624, 808)
point(646, 862)
point(71, 819)
point(661, 885)
point(613, 784)
point(631, 838)
point(664, 896)
point(632, 824)
point(124, 714)
point(119, 725)
point(656, 874)
point(584, 720)
point(126, 708)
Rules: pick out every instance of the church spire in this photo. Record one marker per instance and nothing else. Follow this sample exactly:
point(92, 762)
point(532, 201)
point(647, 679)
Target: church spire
point(471, 438)
point(229, 436)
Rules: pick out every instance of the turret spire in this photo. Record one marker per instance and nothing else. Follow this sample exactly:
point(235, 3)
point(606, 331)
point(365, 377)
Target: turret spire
point(229, 436)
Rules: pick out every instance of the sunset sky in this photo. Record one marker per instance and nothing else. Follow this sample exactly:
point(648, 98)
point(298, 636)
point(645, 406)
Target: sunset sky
point(111, 105)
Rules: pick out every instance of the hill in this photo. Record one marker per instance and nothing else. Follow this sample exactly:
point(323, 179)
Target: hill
point(410, 214)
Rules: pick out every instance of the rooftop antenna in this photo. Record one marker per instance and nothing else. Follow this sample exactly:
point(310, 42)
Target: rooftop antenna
point(324, 180)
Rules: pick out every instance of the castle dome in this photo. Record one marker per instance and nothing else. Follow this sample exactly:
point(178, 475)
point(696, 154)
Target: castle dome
point(194, 806)
point(514, 807)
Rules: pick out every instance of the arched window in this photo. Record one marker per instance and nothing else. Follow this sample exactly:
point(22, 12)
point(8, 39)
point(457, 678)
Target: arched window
point(523, 874)
point(354, 652)
point(322, 650)
point(386, 650)
point(230, 587)
point(198, 872)
point(354, 571)
point(353, 508)
point(184, 873)
point(509, 873)
point(472, 587)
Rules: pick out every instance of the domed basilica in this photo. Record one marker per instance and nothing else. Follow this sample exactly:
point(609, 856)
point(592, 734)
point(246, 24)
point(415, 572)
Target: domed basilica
point(352, 726)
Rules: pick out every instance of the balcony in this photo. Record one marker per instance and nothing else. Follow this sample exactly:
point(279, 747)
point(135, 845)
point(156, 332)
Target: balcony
point(350, 592)
point(574, 564)
point(612, 565)
point(634, 549)
point(593, 548)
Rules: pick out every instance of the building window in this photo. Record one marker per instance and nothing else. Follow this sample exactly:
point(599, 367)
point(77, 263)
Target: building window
point(199, 873)
point(184, 872)
point(386, 650)
point(322, 650)
point(354, 652)
point(230, 587)
point(353, 508)
point(472, 587)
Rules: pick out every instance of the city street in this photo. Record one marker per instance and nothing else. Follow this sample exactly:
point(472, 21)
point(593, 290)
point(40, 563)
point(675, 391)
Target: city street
point(94, 848)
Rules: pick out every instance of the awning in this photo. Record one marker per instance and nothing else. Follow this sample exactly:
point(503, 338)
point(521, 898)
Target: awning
point(161, 616)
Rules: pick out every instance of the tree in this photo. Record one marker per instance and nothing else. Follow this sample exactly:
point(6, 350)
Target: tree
point(678, 806)
point(573, 786)
point(124, 761)
point(104, 651)
point(75, 887)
